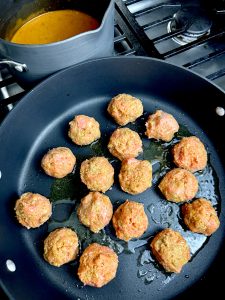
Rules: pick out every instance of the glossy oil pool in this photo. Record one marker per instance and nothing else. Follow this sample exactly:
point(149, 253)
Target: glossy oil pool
point(67, 192)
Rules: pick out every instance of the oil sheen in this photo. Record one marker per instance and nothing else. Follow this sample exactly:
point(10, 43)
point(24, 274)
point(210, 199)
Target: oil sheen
point(161, 213)
point(53, 27)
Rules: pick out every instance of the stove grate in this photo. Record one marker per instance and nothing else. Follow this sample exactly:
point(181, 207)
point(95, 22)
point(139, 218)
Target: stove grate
point(141, 29)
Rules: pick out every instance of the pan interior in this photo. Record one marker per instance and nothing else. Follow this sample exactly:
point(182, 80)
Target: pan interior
point(88, 93)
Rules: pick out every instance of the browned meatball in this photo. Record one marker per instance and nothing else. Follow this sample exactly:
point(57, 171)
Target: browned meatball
point(61, 247)
point(58, 162)
point(98, 265)
point(190, 154)
point(97, 173)
point(179, 185)
point(95, 211)
point(161, 126)
point(130, 220)
point(125, 143)
point(32, 210)
point(200, 216)
point(135, 175)
point(171, 250)
point(84, 130)
point(125, 108)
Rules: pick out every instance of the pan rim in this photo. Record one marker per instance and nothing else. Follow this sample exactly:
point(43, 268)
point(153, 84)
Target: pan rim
point(99, 60)
point(46, 81)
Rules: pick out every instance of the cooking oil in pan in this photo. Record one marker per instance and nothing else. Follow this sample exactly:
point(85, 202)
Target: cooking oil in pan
point(86, 237)
point(69, 190)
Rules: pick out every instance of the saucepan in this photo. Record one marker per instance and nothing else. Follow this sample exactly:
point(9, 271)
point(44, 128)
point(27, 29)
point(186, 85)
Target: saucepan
point(40, 122)
point(31, 63)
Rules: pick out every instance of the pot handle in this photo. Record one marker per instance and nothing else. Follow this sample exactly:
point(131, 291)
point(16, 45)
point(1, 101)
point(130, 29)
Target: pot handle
point(13, 64)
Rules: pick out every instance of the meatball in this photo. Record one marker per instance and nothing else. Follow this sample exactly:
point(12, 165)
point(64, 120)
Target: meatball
point(130, 220)
point(179, 185)
point(171, 250)
point(135, 175)
point(161, 126)
point(33, 210)
point(125, 143)
point(61, 246)
point(200, 216)
point(125, 108)
point(58, 162)
point(97, 173)
point(190, 154)
point(98, 265)
point(84, 130)
point(95, 211)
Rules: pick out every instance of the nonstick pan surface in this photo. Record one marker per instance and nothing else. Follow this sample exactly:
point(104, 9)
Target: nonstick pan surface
point(40, 121)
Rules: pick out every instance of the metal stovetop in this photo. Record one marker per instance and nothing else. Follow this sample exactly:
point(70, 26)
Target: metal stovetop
point(154, 28)
point(175, 31)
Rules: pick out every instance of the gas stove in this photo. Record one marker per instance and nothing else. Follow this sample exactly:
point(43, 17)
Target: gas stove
point(186, 33)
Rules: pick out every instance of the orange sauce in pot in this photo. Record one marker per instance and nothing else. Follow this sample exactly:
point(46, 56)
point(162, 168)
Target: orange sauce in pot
point(54, 26)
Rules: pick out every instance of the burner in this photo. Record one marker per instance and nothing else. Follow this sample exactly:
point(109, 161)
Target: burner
point(194, 22)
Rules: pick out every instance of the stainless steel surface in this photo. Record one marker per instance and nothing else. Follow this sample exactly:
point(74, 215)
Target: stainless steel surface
point(13, 64)
point(142, 26)
point(146, 22)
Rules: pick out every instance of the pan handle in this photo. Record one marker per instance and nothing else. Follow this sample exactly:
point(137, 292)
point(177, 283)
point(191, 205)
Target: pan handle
point(13, 64)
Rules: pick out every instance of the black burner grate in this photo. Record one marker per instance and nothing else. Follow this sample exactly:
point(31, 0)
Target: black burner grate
point(150, 21)
point(141, 28)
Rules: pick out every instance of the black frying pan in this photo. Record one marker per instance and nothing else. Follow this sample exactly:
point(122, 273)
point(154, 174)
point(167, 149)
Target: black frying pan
point(40, 121)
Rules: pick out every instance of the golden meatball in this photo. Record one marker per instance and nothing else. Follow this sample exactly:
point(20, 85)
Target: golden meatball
point(98, 265)
point(97, 174)
point(58, 162)
point(33, 210)
point(190, 154)
point(171, 250)
point(135, 175)
point(130, 220)
point(95, 211)
point(61, 247)
point(125, 108)
point(84, 130)
point(200, 216)
point(179, 185)
point(125, 143)
point(161, 126)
